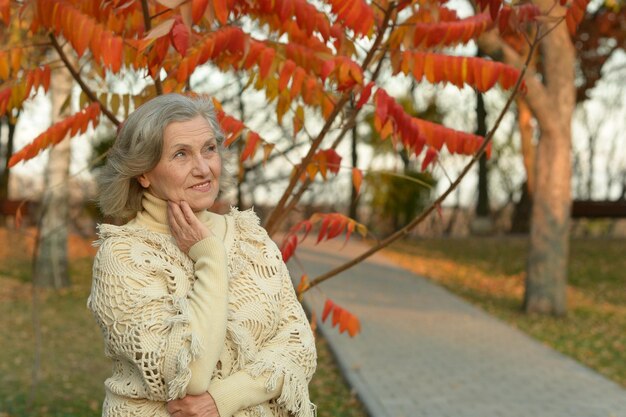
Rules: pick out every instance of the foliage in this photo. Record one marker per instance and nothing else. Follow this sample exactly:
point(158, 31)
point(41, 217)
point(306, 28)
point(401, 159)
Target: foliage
point(395, 200)
point(311, 59)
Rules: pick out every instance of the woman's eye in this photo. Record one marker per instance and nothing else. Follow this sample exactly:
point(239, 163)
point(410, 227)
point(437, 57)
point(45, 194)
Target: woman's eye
point(179, 154)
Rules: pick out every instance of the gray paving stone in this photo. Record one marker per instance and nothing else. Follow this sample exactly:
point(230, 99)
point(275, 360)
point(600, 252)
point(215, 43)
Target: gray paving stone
point(425, 352)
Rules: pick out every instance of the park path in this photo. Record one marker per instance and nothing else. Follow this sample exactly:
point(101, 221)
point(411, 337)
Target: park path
point(425, 352)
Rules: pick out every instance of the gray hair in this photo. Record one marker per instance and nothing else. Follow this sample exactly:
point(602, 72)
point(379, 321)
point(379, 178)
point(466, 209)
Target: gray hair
point(138, 146)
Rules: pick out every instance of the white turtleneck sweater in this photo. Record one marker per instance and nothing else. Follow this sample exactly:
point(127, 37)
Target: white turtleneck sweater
point(222, 319)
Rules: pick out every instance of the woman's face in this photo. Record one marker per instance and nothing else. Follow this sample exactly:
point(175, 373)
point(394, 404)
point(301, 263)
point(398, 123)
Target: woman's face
point(190, 165)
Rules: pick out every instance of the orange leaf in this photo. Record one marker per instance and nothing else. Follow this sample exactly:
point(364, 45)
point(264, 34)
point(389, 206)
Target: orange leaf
point(4, 66)
point(328, 307)
point(296, 82)
point(353, 325)
point(365, 95)
point(285, 74)
point(337, 312)
point(265, 62)
point(303, 285)
point(16, 59)
point(221, 10)
point(198, 7)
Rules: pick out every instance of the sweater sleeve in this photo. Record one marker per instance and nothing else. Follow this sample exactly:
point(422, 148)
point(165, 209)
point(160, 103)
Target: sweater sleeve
point(151, 319)
point(282, 368)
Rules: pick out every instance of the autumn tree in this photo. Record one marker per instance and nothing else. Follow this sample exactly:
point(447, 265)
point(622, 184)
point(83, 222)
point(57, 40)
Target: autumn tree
point(313, 60)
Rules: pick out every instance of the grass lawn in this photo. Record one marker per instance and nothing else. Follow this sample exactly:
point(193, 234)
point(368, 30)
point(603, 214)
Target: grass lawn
point(490, 273)
point(71, 365)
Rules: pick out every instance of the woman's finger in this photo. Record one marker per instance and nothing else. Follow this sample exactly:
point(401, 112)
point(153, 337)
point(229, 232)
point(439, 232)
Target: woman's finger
point(177, 214)
point(190, 217)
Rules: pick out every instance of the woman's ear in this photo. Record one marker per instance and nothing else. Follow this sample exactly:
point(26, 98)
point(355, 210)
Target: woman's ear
point(143, 181)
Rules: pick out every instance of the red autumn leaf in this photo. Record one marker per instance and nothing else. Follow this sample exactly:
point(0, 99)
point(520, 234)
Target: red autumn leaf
point(328, 307)
point(337, 312)
point(289, 247)
point(180, 36)
point(574, 15)
point(323, 229)
point(430, 156)
point(365, 95)
point(252, 143)
point(327, 68)
point(494, 8)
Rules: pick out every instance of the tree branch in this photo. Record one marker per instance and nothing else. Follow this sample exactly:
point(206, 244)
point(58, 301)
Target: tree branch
point(417, 220)
point(148, 25)
point(92, 96)
point(279, 213)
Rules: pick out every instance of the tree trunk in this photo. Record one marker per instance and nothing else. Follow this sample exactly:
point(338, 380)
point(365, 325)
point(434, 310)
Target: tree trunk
point(520, 223)
point(482, 224)
point(546, 278)
point(51, 257)
point(5, 176)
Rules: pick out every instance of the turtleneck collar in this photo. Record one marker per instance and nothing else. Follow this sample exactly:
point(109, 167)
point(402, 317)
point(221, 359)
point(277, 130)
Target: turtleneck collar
point(153, 216)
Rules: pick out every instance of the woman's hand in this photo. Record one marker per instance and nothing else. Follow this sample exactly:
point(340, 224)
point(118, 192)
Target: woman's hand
point(193, 406)
point(185, 226)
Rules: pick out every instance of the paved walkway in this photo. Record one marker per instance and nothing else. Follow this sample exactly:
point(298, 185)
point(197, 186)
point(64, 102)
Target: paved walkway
point(425, 352)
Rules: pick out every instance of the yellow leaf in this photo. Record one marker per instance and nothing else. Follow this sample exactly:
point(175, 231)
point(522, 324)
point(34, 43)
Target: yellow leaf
point(267, 151)
point(126, 99)
point(284, 100)
point(298, 120)
point(115, 103)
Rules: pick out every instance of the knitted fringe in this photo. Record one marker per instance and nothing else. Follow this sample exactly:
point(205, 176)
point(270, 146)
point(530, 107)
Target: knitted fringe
point(295, 392)
point(177, 388)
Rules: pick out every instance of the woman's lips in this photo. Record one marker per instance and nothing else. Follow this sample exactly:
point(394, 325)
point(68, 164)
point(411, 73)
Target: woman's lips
point(205, 186)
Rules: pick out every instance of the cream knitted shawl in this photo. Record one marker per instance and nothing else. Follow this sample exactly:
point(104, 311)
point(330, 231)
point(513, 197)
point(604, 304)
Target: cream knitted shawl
point(142, 299)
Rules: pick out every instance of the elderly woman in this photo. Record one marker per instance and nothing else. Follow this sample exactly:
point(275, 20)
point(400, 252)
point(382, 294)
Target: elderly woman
point(198, 312)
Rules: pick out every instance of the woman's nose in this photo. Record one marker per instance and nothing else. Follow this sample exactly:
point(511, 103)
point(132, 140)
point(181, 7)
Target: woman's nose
point(200, 166)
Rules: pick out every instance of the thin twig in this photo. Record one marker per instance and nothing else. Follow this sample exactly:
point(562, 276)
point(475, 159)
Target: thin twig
point(148, 25)
point(92, 96)
point(279, 213)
